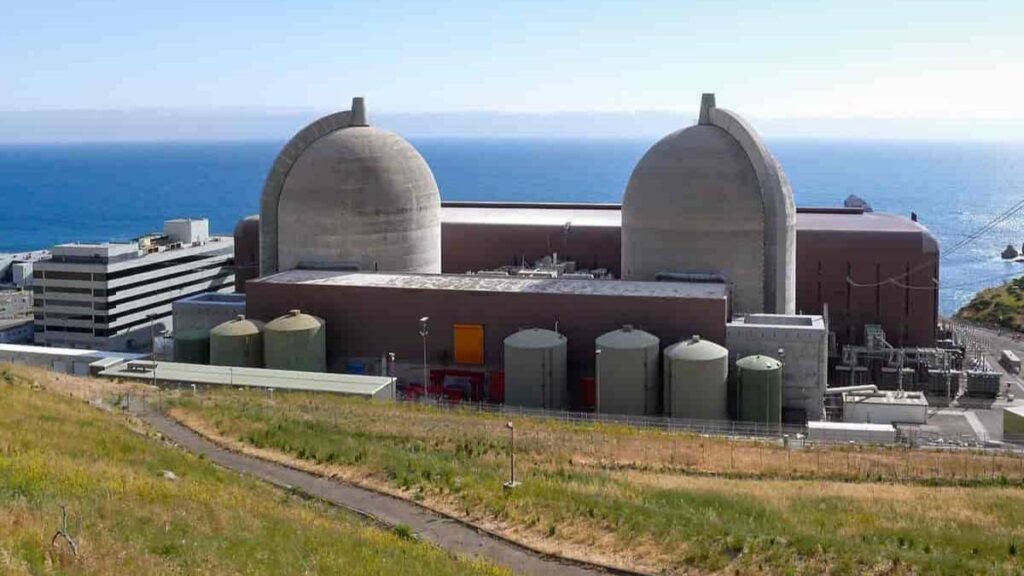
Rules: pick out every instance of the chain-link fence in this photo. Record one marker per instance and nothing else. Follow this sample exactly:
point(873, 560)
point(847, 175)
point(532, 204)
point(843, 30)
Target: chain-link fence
point(557, 438)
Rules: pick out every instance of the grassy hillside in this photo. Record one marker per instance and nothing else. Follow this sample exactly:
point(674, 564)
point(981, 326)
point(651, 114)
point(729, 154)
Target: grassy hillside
point(654, 500)
point(129, 519)
point(1000, 306)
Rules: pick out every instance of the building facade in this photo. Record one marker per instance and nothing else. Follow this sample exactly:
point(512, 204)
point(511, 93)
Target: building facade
point(112, 296)
point(369, 315)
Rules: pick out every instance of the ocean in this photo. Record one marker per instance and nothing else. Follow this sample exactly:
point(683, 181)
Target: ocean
point(98, 192)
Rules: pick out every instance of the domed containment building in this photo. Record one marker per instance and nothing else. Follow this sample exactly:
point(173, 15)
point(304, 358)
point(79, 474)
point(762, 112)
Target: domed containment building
point(344, 194)
point(711, 201)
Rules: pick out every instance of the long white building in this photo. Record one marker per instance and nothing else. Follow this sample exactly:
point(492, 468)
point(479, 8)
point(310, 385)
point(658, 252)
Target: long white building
point(113, 296)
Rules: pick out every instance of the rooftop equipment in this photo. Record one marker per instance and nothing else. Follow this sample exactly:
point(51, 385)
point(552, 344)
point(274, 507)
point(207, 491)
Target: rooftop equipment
point(237, 342)
point(696, 380)
point(627, 372)
point(295, 341)
point(535, 369)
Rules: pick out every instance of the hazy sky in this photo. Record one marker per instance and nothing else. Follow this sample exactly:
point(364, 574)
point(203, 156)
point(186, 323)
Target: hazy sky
point(913, 60)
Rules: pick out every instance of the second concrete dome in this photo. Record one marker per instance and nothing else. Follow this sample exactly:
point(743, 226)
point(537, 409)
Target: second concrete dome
point(711, 199)
point(343, 193)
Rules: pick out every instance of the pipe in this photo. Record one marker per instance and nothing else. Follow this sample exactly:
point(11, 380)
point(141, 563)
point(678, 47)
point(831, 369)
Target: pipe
point(859, 388)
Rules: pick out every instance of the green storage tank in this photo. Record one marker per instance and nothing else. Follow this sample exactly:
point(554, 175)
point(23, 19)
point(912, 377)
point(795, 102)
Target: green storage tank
point(759, 389)
point(295, 341)
point(192, 346)
point(237, 342)
point(627, 372)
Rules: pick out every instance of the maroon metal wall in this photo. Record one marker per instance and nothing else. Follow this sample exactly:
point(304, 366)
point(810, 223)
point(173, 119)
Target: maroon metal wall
point(371, 321)
point(473, 247)
point(906, 306)
point(826, 256)
point(870, 250)
point(247, 251)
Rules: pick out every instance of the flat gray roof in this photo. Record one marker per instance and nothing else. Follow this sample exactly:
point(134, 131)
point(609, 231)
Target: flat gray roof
point(474, 283)
point(610, 215)
point(868, 221)
point(348, 384)
point(532, 215)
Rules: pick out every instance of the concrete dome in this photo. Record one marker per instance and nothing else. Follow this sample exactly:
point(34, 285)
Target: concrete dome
point(710, 199)
point(346, 193)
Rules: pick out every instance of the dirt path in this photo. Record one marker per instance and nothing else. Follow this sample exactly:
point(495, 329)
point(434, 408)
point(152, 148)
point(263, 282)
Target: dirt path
point(438, 530)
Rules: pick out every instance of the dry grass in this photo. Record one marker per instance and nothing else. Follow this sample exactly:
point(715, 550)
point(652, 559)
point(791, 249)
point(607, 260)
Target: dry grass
point(652, 500)
point(129, 519)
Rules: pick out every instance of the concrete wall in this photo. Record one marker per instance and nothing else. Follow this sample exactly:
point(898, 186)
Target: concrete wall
point(366, 323)
point(884, 412)
point(805, 366)
point(17, 333)
point(206, 311)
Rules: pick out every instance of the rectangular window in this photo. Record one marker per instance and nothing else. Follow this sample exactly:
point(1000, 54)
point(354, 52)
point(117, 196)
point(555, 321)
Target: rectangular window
point(469, 344)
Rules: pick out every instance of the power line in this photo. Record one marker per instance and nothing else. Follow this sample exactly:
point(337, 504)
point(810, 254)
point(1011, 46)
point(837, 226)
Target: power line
point(997, 220)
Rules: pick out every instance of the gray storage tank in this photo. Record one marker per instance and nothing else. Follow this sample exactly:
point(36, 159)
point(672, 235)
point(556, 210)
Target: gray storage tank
point(237, 342)
point(535, 369)
point(627, 372)
point(295, 341)
point(759, 389)
point(696, 380)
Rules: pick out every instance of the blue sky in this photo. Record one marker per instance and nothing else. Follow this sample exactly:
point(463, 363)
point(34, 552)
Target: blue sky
point(769, 60)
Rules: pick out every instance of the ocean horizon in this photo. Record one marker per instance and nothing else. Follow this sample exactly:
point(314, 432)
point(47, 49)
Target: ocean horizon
point(55, 193)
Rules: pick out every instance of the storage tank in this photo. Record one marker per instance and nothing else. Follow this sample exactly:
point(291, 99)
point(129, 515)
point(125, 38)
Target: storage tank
point(696, 380)
point(192, 346)
point(295, 341)
point(627, 372)
point(759, 389)
point(535, 369)
point(237, 342)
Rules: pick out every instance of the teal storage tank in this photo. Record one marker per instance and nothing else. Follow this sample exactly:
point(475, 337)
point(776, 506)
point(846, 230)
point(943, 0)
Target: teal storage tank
point(759, 389)
point(192, 346)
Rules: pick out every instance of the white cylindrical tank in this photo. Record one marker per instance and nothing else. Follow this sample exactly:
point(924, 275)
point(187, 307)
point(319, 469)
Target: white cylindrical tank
point(627, 372)
point(535, 369)
point(696, 380)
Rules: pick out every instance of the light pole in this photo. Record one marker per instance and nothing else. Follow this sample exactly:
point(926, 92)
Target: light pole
point(426, 376)
point(511, 457)
point(152, 344)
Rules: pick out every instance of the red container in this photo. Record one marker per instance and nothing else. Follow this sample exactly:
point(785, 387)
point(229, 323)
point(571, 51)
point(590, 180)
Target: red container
point(453, 394)
point(588, 394)
point(496, 391)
